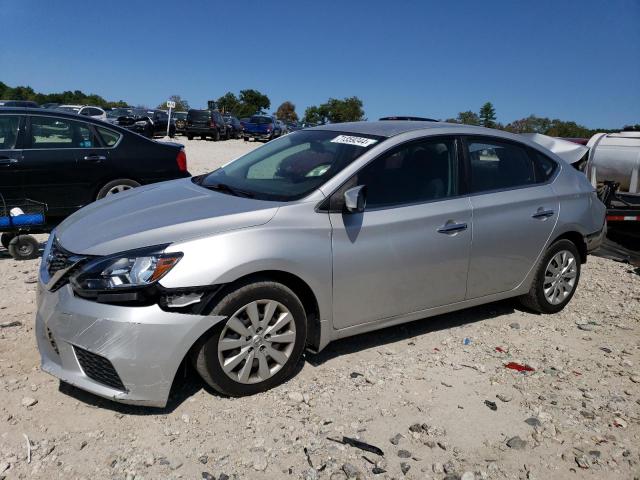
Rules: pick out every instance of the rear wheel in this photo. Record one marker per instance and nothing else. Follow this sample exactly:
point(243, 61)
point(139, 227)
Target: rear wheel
point(556, 280)
point(259, 344)
point(203, 137)
point(117, 186)
point(6, 238)
point(216, 136)
point(189, 137)
point(24, 247)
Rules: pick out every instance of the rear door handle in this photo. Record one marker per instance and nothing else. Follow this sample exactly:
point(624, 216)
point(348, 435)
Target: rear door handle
point(452, 227)
point(94, 158)
point(542, 214)
point(8, 161)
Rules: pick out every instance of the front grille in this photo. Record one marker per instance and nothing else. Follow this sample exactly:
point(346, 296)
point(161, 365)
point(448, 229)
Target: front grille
point(58, 259)
point(61, 259)
point(99, 369)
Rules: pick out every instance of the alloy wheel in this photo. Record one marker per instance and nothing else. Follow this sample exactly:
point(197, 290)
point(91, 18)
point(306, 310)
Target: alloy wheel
point(560, 277)
point(257, 341)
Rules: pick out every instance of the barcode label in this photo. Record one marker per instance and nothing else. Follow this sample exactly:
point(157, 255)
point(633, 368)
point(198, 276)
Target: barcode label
point(358, 141)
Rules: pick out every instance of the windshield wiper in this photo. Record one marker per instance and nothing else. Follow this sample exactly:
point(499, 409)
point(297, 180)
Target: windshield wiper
point(223, 187)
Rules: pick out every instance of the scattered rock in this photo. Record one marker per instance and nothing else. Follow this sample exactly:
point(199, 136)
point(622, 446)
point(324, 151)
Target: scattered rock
point(351, 471)
point(620, 423)
point(28, 402)
point(296, 397)
point(516, 443)
point(634, 379)
point(515, 325)
point(203, 459)
point(260, 463)
point(583, 461)
point(405, 467)
point(468, 476)
point(491, 405)
point(378, 470)
point(437, 468)
point(404, 454)
point(395, 439)
point(207, 476)
point(504, 397)
point(533, 421)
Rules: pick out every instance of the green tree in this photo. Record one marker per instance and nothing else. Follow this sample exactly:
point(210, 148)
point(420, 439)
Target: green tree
point(336, 111)
point(228, 103)
point(252, 101)
point(488, 115)
point(468, 118)
point(287, 112)
point(181, 104)
point(530, 124)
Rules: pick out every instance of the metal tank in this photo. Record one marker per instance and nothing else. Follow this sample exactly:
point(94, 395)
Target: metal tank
point(615, 157)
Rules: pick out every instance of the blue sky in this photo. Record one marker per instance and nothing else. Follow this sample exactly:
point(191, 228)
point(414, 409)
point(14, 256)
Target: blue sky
point(575, 60)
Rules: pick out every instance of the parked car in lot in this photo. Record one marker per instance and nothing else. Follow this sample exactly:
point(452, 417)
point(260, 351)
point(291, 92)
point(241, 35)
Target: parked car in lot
point(150, 123)
point(321, 234)
point(67, 162)
point(205, 123)
point(234, 127)
point(86, 110)
point(180, 122)
point(18, 103)
point(261, 127)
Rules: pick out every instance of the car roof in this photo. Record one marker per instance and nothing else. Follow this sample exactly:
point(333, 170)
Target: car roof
point(390, 128)
point(62, 114)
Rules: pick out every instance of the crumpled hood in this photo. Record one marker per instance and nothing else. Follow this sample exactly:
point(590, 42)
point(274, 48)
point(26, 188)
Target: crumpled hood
point(157, 214)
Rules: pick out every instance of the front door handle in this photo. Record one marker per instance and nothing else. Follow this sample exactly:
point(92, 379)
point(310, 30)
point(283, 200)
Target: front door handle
point(6, 161)
point(543, 214)
point(94, 158)
point(452, 228)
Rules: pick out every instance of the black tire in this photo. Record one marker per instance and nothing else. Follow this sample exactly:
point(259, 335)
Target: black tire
point(204, 355)
point(189, 137)
point(536, 300)
point(24, 247)
point(6, 238)
point(124, 182)
point(203, 137)
point(216, 136)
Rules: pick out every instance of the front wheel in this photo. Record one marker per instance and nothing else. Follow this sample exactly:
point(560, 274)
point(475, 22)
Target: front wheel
point(258, 345)
point(556, 280)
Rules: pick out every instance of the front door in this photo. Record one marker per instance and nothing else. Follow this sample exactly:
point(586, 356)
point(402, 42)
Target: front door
point(514, 213)
point(409, 249)
point(51, 165)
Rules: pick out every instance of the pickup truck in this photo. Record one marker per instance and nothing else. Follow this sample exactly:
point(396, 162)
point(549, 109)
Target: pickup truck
point(261, 127)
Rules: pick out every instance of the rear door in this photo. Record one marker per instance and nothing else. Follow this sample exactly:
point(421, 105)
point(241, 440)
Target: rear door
point(514, 212)
point(11, 125)
point(60, 161)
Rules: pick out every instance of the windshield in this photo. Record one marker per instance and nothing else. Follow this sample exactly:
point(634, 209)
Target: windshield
point(199, 114)
point(290, 167)
point(180, 115)
point(260, 120)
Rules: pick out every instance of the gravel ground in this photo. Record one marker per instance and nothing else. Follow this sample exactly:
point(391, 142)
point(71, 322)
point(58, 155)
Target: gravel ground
point(433, 395)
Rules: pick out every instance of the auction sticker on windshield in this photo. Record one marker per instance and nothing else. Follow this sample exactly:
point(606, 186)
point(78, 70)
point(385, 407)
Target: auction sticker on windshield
point(349, 140)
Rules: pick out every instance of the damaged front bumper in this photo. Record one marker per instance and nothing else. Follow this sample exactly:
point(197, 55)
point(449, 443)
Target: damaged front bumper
point(127, 354)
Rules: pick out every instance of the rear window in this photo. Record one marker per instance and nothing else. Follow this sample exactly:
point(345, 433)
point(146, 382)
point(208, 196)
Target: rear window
point(199, 114)
point(260, 120)
point(109, 137)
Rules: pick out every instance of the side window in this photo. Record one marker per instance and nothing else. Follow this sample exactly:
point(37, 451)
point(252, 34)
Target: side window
point(51, 132)
point(416, 172)
point(497, 165)
point(8, 131)
point(545, 167)
point(109, 137)
point(94, 112)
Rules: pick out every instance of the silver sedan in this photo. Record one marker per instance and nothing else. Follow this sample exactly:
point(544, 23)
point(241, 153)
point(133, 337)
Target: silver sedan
point(322, 234)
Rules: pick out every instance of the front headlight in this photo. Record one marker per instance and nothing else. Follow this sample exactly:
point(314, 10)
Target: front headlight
point(138, 268)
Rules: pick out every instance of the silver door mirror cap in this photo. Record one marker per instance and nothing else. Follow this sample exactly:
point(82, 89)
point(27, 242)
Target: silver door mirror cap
point(355, 199)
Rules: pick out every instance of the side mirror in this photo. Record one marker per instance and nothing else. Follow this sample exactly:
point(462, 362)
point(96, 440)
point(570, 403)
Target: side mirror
point(355, 199)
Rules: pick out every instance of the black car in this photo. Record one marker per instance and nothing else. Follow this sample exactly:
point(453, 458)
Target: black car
point(150, 123)
point(66, 161)
point(234, 127)
point(205, 123)
point(18, 103)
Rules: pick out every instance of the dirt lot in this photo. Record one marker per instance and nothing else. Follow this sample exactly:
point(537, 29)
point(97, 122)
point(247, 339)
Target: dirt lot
point(434, 395)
